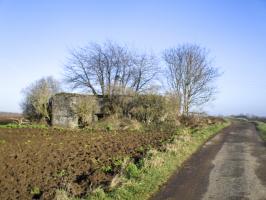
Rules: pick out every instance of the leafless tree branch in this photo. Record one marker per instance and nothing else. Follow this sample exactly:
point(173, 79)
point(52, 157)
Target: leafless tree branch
point(190, 75)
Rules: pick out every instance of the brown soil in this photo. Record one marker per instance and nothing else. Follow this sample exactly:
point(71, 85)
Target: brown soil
point(51, 159)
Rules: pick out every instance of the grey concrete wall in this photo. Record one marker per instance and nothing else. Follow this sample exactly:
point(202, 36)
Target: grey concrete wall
point(63, 109)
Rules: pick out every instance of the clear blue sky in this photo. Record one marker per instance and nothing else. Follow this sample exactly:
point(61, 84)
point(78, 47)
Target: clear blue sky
point(35, 37)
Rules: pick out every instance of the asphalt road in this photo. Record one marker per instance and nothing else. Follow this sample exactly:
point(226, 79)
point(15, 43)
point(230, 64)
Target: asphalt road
point(230, 166)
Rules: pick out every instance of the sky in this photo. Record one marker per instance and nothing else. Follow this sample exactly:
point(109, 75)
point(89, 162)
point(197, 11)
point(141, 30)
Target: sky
point(36, 36)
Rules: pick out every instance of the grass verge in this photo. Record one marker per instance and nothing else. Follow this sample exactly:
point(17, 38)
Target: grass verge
point(141, 180)
point(262, 129)
point(13, 125)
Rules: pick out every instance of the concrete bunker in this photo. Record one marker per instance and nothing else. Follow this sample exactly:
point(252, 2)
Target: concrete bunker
point(64, 109)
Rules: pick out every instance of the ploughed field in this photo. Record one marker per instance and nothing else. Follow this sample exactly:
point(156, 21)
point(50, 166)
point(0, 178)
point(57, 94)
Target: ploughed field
point(6, 118)
point(34, 163)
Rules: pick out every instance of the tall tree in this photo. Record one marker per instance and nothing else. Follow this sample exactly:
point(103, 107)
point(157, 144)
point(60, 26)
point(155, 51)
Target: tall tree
point(191, 75)
point(109, 69)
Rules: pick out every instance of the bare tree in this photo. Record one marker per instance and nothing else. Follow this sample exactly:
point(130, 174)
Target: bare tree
point(191, 75)
point(36, 98)
point(144, 71)
point(109, 69)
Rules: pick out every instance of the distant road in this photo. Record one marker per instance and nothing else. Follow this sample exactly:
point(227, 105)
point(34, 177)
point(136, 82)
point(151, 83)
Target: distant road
point(231, 166)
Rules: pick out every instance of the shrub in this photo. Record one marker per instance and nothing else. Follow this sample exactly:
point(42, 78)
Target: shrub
point(86, 109)
point(172, 107)
point(148, 108)
point(118, 105)
point(36, 100)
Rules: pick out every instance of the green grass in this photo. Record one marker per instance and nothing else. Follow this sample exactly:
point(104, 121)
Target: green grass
point(13, 125)
point(262, 129)
point(141, 181)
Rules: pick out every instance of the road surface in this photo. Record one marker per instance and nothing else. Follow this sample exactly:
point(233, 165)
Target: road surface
point(231, 166)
